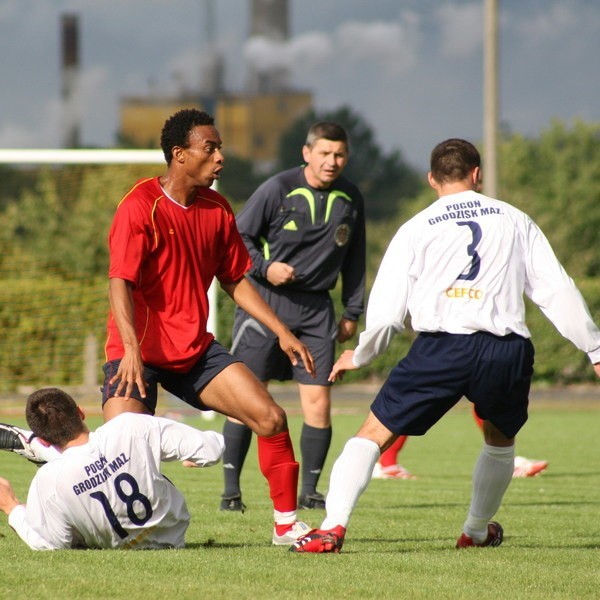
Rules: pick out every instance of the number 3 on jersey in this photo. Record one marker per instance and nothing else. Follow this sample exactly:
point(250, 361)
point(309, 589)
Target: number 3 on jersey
point(475, 260)
point(129, 499)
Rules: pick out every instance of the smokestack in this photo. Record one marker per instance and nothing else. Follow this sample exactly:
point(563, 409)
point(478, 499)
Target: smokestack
point(269, 19)
point(213, 76)
point(69, 79)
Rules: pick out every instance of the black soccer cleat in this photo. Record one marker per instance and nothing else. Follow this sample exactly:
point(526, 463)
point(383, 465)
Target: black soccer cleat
point(315, 500)
point(232, 503)
point(13, 439)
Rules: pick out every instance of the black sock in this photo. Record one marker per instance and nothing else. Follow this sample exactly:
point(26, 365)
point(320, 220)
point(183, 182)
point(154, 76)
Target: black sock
point(237, 441)
point(314, 445)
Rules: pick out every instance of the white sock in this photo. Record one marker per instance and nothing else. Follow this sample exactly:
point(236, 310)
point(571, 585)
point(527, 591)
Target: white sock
point(284, 518)
point(47, 453)
point(350, 477)
point(491, 478)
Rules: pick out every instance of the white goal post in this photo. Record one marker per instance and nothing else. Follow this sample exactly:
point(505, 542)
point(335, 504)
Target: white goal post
point(51, 156)
point(80, 156)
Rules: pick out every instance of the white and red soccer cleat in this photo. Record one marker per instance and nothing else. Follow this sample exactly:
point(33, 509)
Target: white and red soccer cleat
point(391, 472)
point(319, 541)
point(291, 535)
point(525, 467)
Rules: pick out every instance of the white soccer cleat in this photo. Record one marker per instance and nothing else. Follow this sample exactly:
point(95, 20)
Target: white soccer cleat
point(298, 530)
point(391, 472)
point(525, 467)
point(15, 439)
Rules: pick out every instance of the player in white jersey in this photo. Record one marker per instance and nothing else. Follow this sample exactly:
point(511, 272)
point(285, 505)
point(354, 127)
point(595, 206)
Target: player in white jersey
point(105, 489)
point(460, 268)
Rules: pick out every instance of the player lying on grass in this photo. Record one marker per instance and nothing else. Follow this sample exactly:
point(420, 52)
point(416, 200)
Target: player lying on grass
point(104, 489)
point(460, 268)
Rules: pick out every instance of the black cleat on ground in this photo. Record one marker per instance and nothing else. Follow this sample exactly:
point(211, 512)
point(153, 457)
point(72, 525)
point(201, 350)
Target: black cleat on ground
point(12, 439)
point(233, 504)
point(311, 501)
point(9, 438)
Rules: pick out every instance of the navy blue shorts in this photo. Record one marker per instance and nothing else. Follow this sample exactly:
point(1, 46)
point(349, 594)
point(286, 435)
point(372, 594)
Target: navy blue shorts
point(492, 372)
point(186, 386)
point(311, 318)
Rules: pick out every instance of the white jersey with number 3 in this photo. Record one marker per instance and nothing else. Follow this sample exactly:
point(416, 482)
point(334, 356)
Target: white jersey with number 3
point(110, 493)
point(463, 265)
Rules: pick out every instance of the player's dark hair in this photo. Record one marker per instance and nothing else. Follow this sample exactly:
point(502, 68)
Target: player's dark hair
point(328, 131)
point(176, 130)
point(453, 160)
point(53, 415)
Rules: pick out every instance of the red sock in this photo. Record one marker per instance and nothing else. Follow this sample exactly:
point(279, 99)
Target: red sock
point(478, 420)
point(281, 529)
point(278, 465)
point(390, 456)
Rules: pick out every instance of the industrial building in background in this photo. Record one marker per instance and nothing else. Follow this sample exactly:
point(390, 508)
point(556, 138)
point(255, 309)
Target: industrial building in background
point(251, 122)
point(69, 81)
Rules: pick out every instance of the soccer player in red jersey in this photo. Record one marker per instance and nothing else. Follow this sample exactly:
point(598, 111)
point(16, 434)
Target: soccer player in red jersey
point(171, 235)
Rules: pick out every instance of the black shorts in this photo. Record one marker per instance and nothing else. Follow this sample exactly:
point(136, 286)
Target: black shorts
point(311, 318)
point(186, 386)
point(492, 372)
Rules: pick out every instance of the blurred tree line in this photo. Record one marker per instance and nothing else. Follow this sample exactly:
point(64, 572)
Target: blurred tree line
point(54, 222)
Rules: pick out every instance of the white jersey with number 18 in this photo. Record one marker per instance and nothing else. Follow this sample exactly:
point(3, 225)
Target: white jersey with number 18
point(110, 493)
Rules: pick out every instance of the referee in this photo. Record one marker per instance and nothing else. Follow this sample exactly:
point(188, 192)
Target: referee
point(303, 228)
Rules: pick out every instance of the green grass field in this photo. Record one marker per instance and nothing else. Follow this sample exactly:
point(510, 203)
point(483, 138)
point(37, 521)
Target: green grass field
point(401, 538)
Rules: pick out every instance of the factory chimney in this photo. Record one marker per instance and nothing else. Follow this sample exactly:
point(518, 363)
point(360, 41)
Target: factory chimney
point(269, 19)
point(213, 75)
point(69, 80)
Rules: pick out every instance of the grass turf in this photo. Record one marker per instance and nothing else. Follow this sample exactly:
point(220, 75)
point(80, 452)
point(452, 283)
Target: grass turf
point(400, 541)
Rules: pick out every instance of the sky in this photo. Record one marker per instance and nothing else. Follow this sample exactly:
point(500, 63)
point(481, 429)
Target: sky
point(413, 69)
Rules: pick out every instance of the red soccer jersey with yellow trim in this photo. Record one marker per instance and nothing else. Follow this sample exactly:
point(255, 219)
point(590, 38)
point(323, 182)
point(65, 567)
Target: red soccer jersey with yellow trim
point(170, 253)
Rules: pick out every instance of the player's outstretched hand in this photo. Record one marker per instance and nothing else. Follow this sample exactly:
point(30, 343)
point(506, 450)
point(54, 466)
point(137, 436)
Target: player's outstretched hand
point(344, 363)
point(295, 350)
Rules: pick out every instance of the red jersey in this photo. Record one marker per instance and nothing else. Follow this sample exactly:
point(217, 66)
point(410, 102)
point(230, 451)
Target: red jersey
point(170, 253)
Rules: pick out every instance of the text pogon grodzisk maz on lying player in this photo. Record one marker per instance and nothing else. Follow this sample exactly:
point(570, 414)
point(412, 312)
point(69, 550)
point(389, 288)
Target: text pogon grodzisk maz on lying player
point(100, 471)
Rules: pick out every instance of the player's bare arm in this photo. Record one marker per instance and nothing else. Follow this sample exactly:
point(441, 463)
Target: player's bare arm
point(131, 368)
point(344, 363)
point(597, 369)
point(280, 273)
point(244, 294)
point(346, 330)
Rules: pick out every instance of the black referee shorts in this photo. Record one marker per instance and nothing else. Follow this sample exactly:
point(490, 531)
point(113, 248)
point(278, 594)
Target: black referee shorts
point(311, 318)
